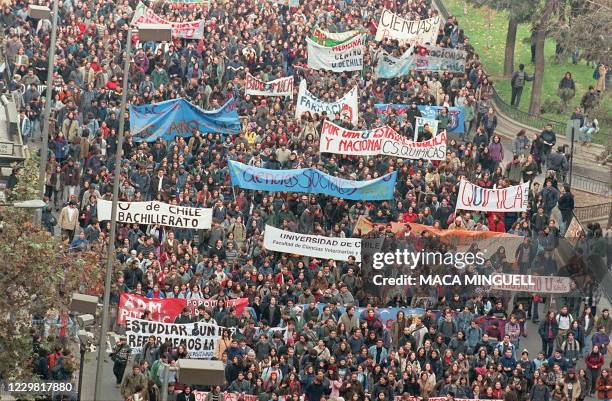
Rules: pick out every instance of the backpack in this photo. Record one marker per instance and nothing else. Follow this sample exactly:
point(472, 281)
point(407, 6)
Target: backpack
point(519, 79)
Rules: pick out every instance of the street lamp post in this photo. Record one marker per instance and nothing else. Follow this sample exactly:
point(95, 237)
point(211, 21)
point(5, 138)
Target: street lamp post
point(146, 32)
point(41, 12)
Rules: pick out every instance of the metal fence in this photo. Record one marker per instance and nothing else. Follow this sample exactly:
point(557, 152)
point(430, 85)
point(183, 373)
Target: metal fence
point(594, 212)
point(526, 118)
point(592, 185)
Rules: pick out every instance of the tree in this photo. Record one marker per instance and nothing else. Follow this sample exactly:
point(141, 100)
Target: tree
point(37, 275)
point(519, 11)
point(541, 28)
point(588, 31)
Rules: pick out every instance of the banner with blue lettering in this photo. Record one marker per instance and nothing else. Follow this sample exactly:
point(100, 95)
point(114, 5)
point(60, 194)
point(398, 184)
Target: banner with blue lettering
point(312, 181)
point(456, 115)
point(178, 117)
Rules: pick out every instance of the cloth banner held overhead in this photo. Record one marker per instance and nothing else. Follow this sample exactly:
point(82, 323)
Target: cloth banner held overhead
point(178, 117)
point(325, 38)
point(488, 241)
point(510, 199)
point(183, 30)
point(200, 338)
point(166, 310)
point(416, 32)
point(419, 125)
point(162, 310)
point(312, 181)
point(347, 106)
point(440, 59)
point(379, 141)
point(238, 304)
point(389, 66)
point(541, 284)
point(277, 87)
point(154, 212)
point(345, 56)
point(315, 246)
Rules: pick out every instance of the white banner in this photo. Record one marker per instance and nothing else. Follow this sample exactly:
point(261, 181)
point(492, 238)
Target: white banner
point(417, 32)
point(154, 212)
point(184, 30)
point(529, 283)
point(346, 56)
point(347, 106)
point(315, 246)
point(277, 87)
point(379, 141)
point(200, 338)
point(510, 199)
point(420, 125)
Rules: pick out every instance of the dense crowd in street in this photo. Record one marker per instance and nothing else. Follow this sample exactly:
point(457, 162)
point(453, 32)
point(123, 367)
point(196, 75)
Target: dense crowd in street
point(330, 352)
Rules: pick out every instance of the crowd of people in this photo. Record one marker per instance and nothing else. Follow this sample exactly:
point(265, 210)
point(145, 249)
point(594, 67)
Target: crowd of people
point(333, 352)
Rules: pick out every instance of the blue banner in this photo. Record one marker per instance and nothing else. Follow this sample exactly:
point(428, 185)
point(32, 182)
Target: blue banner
point(386, 315)
point(178, 117)
point(398, 111)
point(312, 181)
point(456, 116)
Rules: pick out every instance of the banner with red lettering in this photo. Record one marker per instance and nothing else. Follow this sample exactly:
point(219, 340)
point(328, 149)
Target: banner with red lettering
point(379, 141)
point(184, 30)
point(278, 87)
point(162, 310)
point(510, 199)
point(238, 305)
point(167, 309)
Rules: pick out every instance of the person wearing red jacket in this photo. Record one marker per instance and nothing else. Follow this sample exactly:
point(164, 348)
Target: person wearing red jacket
point(594, 362)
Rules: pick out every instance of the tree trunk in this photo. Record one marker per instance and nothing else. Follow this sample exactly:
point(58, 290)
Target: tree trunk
point(538, 79)
point(510, 45)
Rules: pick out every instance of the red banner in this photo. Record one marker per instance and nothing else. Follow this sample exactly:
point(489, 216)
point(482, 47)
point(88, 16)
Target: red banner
point(238, 305)
point(162, 310)
point(167, 309)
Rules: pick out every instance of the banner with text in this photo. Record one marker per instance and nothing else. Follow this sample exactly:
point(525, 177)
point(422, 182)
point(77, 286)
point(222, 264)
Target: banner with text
point(166, 310)
point(183, 30)
point(389, 66)
point(315, 246)
point(510, 199)
point(347, 106)
point(379, 141)
point(540, 284)
point(162, 310)
point(200, 338)
point(154, 212)
point(312, 181)
point(462, 240)
point(416, 32)
point(325, 38)
point(346, 56)
point(237, 305)
point(277, 87)
point(440, 59)
point(178, 117)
